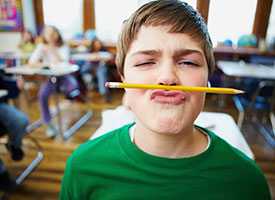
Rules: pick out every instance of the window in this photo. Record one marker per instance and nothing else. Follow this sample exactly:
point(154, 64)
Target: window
point(109, 16)
point(230, 19)
point(192, 3)
point(270, 35)
point(66, 15)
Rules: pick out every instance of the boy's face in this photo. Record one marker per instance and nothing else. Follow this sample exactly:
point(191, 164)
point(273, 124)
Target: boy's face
point(159, 57)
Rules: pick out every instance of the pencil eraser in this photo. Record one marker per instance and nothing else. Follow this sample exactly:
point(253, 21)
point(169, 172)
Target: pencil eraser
point(107, 84)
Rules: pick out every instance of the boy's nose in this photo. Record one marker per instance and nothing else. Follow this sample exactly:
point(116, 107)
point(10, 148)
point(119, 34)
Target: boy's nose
point(168, 76)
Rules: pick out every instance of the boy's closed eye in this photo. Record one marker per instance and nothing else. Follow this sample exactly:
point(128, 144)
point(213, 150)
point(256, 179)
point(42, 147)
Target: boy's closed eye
point(189, 57)
point(185, 63)
point(188, 63)
point(146, 63)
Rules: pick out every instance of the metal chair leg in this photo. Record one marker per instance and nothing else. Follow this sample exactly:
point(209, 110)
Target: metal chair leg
point(240, 108)
point(240, 119)
point(33, 164)
point(272, 119)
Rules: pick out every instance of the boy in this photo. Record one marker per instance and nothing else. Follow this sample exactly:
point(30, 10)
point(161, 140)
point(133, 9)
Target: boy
point(163, 155)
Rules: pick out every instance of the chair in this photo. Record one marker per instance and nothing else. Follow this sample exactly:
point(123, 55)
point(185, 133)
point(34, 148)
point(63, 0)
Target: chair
point(13, 91)
point(72, 95)
point(9, 84)
point(262, 99)
point(34, 162)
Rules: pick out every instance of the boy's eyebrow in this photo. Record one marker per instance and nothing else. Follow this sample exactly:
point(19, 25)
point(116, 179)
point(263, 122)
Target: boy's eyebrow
point(177, 53)
point(181, 52)
point(147, 52)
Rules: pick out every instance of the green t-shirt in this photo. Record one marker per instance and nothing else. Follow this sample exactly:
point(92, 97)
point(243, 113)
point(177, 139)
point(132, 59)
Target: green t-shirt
point(112, 167)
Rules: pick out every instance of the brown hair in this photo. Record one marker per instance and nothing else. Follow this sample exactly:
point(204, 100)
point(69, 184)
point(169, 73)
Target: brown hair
point(181, 18)
point(28, 31)
point(59, 39)
point(92, 47)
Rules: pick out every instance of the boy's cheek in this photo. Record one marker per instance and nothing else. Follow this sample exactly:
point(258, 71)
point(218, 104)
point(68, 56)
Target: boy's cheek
point(200, 79)
point(135, 94)
point(137, 76)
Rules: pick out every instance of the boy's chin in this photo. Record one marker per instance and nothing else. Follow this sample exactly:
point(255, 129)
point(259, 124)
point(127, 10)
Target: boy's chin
point(169, 127)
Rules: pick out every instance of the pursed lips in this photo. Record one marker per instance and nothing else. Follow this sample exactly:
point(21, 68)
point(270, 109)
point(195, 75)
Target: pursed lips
point(172, 97)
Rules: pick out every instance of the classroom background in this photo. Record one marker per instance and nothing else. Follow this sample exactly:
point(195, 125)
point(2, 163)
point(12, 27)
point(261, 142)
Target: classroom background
point(243, 36)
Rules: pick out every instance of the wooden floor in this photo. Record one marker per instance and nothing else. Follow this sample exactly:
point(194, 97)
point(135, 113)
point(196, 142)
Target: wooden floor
point(45, 181)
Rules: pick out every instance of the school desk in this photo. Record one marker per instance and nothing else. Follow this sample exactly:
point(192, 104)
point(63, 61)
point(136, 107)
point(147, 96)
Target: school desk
point(53, 72)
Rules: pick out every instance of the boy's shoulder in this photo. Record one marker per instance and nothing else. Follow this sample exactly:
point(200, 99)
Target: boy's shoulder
point(234, 165)
point(227, 151)
point(103, 143)
point(237, 160)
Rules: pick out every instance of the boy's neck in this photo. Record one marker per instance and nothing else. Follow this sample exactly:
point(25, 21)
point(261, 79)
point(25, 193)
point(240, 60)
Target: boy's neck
point(188, 143)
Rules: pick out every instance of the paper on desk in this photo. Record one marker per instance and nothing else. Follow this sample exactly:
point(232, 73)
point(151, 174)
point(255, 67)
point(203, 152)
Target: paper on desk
point(204, 122)
point(113, 119)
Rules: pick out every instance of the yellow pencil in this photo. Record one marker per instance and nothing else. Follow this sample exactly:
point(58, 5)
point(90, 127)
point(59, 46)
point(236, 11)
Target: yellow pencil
point(182, 88)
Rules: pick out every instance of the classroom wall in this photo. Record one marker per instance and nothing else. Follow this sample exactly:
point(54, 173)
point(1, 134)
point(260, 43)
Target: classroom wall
point(9, 40)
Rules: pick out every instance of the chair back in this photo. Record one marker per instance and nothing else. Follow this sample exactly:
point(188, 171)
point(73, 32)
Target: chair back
point(2, 130)
point(264, 94)
point(10, 85)
point(258, 94)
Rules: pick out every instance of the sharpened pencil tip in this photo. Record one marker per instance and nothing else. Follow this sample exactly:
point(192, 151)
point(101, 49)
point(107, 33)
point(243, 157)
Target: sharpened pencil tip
point(239, 91)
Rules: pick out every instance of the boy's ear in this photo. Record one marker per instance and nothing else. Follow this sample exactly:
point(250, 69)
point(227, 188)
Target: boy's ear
point(122, 78)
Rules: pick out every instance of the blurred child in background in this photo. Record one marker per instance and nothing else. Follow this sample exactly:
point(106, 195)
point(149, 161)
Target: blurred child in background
point(52, 50)
point(27, 43)
point(99, 67)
